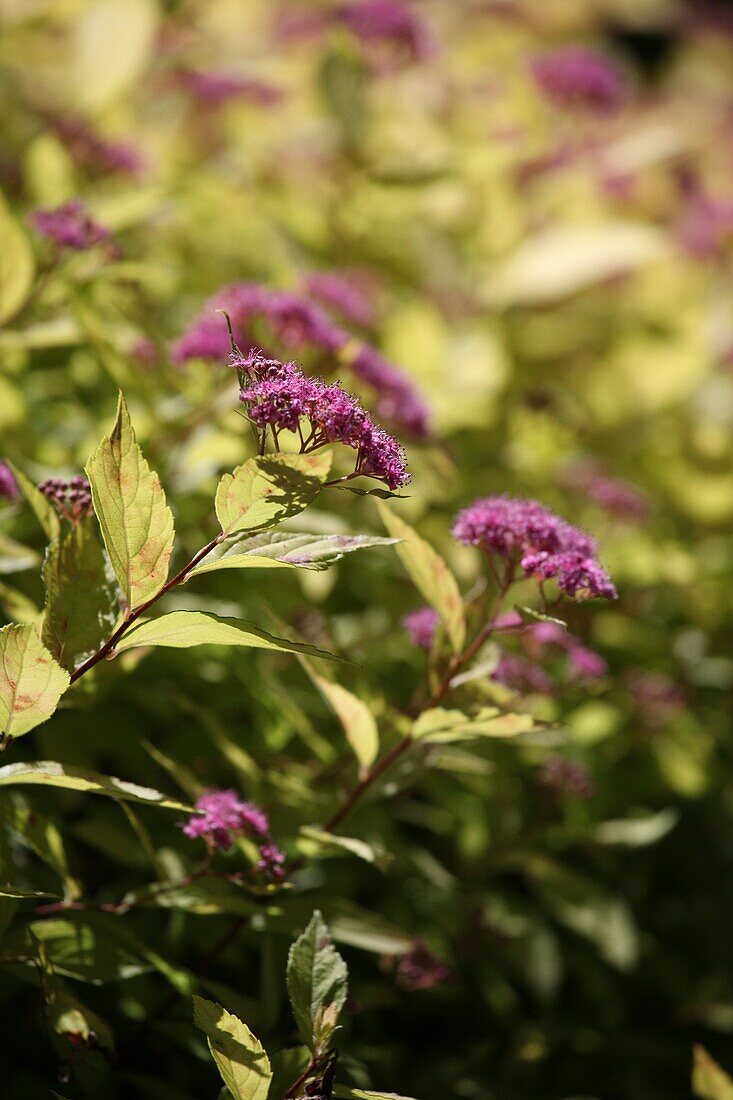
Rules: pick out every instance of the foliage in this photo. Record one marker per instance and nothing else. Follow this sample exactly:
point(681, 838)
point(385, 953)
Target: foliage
point(257, 262)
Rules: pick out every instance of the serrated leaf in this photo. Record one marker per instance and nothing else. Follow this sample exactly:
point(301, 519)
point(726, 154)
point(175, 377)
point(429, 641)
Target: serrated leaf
point(239, 1055)
point(709, 1081)
point(44, 510)
point(264, 491)
point(346, 1093)
point(81, 596)
point(439, 725)
point(49, 773)
point(31, 682)
point(183, 629)
point(316, 980)
point(16, 264)
point(430, 575)
point(280, 549)
point(130, 504)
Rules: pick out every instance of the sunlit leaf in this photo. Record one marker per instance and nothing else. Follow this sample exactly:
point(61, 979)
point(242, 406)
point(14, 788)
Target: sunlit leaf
point(440, 725)
point(430, 575)
point(45, 512)
point(266, 490)
point(709, 1081)
point(16, 264)
point(31, 682)
point(129, 501)
point(316, 980)
point(239, 1055)
point(49, 773)
point(280, 549)
point(357, 720)
point(14, 557)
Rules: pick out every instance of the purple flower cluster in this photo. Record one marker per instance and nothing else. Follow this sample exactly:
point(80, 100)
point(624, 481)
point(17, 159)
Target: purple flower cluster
point(706, 226)
point(73, 499)
point(520, 673)
point(419, 968)
point(8, 484)
point(524, 533)
point(296, 322)
point(213, 89)
point(271, 862)
point(281, 397)
point(612, 494)
point(350, 293)
point(421, 626)
point(561, 775)
point(70, 226)
point(391, 22)
point(222, 817)
point(574, 75)
point(585, 663)
point(94, 152)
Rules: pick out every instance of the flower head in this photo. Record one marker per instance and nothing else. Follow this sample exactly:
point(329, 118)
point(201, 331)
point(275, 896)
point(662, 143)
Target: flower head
point(272, 862)
point(222, 817)
point(212, 89)
point(350, 293)
point(279, 396)
point(575, 75)
point(389, 21)
point(614, 495)
point(543, 545)
point(8, 485)
point(70, 226)
point(90, 150)
point(561, 775)
point(419, 968)
point(421, 626)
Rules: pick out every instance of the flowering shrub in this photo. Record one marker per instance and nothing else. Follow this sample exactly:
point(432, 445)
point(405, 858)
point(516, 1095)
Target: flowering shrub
point(365, 499)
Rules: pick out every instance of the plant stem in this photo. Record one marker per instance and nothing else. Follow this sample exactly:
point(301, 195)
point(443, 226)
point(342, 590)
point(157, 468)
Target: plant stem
point(136, 612)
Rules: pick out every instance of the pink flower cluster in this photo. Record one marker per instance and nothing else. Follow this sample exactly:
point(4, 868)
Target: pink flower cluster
point(389, 21)
point(70, 226)
point(421, 626)
point(350, 293)
point(94, 152)
point(585, 663)
point(222, 817)
point(8, 484)
point(612, 494)
point(213, 89)
point(524, 533)
point(296, 322)
point(281, 397)
point(706, 226)
point(574, 75)
point(419, 968)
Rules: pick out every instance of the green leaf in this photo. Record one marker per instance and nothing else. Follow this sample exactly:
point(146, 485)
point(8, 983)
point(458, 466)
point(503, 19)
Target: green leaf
point(439, 725)
point(239, 1055)
point(45, 512)
point(357, 721)
point(16, 264)
point(88, 950)
point(129, 501)
point(266, 490)
point(430, 575)
point(316, 981)
point(287, 1066)
point(14, 557)
point(42, 836)
point(709, 1081)
point(350, 844)
point(346, 1093)
point(18, 892)
point(183, 629)
point(17, 606)
point(31, 682)
point(81, 596)
point(280, 549)
point(48, 773)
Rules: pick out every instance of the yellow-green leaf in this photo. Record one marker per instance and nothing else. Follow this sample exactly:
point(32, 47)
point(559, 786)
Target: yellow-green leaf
point(183, 629)
point(357, 721)
point(285, 549)
point(709, 1081)
point(16, 264)
point(430, 575)
point(49, 773)
point(31, 682)
point(439, 725)
point(266, 490)
point(112, 43)
point(129, 501)
point(44, 510)
point(81, 596)
point(239, 1055)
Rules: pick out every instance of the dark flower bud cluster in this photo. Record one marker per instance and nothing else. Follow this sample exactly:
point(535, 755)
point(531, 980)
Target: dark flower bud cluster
point(8, 484)
point(421, 626)
point(523, 533)
point(92, 151)
point(271, 862)
point(214, 89)
point(296, 322)
point(612, 494)
point(280, 397)
point(561, 775)
point(73, 499)
point(70, 226)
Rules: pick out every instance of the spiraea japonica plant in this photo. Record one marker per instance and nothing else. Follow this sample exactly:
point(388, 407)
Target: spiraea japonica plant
point(109, 566)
